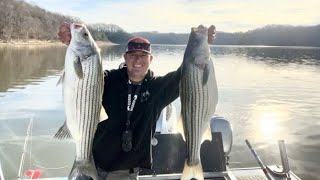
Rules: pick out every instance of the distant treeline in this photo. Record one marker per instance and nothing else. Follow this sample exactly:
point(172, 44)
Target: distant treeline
point(22, 21)
point(271, 35)
point(164, 38)
point(274, 35)
point(109, 32)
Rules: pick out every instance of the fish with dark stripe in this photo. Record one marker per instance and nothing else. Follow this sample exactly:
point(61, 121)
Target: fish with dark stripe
point(199, 96)
point(82, 81)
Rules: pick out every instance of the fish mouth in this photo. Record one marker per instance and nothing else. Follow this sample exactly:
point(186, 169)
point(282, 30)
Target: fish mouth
point(78, 25)
point(200, 29)
point(211, 31)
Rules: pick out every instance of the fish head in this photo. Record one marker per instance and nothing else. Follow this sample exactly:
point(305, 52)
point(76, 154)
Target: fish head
point(198, 45)
point(81, 36)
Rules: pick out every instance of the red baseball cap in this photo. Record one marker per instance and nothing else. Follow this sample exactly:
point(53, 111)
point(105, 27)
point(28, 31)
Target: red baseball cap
point(138, 44)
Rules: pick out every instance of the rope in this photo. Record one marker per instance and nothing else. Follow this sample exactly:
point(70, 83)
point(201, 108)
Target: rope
point(50, 168)
point(29, 138)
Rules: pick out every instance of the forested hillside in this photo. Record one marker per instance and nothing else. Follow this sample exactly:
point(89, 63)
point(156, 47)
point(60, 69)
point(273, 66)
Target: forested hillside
point(112, 32)
point(272, 35)
point(22, 21)
point(164, 38)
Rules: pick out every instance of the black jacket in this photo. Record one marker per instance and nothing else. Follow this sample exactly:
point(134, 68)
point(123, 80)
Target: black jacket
point(155, 94)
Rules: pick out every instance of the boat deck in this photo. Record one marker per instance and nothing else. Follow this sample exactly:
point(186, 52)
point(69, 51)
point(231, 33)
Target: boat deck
point(253, 173)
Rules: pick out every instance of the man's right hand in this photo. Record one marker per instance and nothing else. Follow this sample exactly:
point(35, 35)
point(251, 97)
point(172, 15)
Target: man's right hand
point(64, 33)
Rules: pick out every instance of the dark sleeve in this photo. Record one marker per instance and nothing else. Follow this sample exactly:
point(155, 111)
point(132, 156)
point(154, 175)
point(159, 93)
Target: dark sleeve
point(169, 88)
point(105, 89)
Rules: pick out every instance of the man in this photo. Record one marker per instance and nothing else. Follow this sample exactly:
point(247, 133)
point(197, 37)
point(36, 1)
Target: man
point(133, 99)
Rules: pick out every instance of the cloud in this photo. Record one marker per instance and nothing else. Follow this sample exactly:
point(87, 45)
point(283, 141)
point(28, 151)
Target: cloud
point(181, 15)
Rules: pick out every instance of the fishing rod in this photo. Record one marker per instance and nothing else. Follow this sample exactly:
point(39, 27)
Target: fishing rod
point(29, 131)
point(263, 167)
point(1, 173)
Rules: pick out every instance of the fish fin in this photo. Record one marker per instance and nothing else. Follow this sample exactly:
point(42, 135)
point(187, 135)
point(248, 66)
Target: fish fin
point(171, 119)
point(192, 172)
point(168, 109)
point(207, 135)
point(83, 168)
point(206, 71)
point(78, 68)
point(63, 132)
point(180, 128)
point(61, 78)
point(103, 114)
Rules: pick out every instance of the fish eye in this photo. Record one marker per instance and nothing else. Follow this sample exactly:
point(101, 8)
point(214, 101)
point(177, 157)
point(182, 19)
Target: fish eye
point(86, 34)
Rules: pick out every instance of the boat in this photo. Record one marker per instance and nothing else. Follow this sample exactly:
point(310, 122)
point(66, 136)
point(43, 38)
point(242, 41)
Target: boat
point(169, 154)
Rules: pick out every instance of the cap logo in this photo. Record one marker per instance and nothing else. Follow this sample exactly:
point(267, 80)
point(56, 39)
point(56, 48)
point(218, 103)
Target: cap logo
point(138, 44)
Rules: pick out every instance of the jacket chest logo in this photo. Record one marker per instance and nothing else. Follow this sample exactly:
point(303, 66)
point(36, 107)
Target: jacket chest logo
point(145, 96)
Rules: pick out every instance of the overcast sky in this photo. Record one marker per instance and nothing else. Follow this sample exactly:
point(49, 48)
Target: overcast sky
point(180, 15)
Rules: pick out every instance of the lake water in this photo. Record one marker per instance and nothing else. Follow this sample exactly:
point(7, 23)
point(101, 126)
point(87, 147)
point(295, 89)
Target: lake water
point(267, 93)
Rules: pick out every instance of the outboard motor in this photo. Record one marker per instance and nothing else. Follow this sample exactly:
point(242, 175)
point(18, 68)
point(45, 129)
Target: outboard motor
point(221, 124)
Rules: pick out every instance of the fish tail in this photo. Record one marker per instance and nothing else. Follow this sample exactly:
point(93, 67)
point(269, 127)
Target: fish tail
point(190, 172)
point(83, 168)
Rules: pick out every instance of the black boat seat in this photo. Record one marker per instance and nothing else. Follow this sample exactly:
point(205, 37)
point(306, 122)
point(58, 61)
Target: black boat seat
point(170, 153)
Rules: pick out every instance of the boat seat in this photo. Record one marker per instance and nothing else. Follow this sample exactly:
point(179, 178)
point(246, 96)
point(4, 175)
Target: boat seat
point(169, 154)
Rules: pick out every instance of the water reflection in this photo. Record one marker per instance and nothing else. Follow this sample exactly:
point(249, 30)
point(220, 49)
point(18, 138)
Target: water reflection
point(112, 53)
point(20, 66)
point(268, 120)
point(273, 55)
point(24, 65)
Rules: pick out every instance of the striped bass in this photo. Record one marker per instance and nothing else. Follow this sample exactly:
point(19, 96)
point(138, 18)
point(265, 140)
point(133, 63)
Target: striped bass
point(83, 83)
point(199, 96)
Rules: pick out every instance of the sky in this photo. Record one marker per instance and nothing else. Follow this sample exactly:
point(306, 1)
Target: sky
point(180, 15)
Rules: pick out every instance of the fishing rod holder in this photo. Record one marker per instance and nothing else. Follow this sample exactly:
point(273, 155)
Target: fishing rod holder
point(284, 171)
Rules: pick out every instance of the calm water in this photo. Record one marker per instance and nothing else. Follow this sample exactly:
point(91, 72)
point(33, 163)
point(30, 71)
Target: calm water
point(267, 93)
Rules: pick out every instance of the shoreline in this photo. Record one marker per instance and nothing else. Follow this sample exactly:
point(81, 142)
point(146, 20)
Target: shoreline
point(45, 43)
